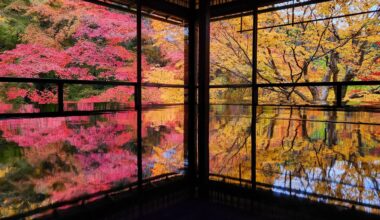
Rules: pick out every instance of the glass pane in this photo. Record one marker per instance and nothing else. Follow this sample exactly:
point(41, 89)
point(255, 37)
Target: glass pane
point(308, 12)
point(163, 141)
point(163, 52)
point(343, 49)
point(231, 52)
point(231, 96)
point(332, 153)
point(300, 95)
point(230, 141)
point(361, 95)
point(49, 160)
point(155, 95)
point(66, 40)
point(28, 97)
point(79, 97)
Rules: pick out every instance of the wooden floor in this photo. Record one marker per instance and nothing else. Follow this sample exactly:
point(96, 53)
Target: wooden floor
point(175, 201)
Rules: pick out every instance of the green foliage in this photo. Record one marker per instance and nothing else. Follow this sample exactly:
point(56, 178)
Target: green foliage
point(13, 26)
point(78, 92)
point(100, 41)
point(9, 151)
point(68, 42)
point(5, 186)
point(48, 75)
point(130, 146)
point(55, 4)
point(130, 45)
point(5, 3)
point(47, 107)
point(318, 134)
point(320, 63)
point(69, 148)
point(21, 171)
point(58, 186)
point(153, 54)
point(8, 37)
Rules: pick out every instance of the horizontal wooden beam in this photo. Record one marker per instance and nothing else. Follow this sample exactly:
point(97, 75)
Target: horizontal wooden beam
point(268, 85)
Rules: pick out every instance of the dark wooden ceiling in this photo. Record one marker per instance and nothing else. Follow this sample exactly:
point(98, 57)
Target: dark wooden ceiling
point(186, 3)
point(179, 11)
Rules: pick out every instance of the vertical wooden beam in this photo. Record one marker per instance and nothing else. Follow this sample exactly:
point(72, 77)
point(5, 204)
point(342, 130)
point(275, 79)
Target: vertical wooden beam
point(191, 105)
point(203, 107)
point(338, 95)
point(204, 102)
point(138, 95)
point(60, 97)
point(255, 95)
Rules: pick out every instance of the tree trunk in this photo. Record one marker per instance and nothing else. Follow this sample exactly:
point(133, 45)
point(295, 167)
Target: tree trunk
point(332, 62)
point(331, 129)
point(347, 77)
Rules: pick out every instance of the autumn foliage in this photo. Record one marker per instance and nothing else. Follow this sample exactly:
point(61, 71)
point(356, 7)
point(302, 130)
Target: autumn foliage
point(331, 50)
point(46, 160)
point(68, 39)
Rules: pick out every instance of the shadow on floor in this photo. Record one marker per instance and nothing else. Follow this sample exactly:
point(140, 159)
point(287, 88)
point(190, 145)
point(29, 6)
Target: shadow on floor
point(199, 209)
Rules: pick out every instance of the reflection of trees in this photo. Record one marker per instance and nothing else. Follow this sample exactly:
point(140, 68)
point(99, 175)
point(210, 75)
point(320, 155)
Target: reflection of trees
point(330, 131)
point(48, 160)
point(230, 143)
point(163, 141)
point(62, 158)
point(326, 158)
